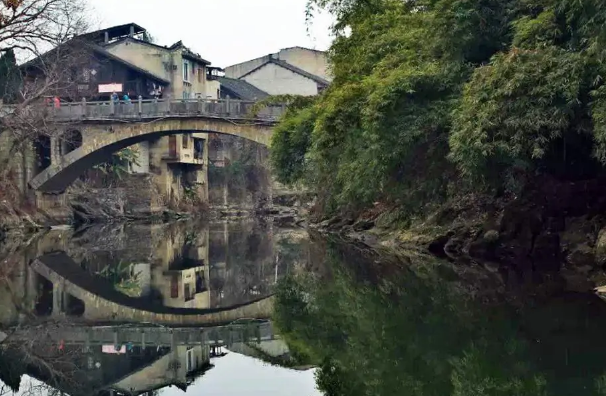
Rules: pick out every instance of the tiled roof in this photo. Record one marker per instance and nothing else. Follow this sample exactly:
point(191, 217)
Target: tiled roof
point(242, 89)
point(293, 69)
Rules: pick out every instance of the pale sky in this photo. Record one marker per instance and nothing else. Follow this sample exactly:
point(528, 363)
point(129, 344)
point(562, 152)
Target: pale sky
point(223, 32)
point(233, 375)
point(237, 375)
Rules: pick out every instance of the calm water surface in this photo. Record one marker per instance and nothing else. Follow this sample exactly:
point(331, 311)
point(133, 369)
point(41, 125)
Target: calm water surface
point(247, 308)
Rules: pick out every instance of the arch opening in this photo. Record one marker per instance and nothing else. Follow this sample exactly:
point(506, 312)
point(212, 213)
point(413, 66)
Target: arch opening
point(44, 300)
point(42, 148)
point(74, 306)
point(70, 141)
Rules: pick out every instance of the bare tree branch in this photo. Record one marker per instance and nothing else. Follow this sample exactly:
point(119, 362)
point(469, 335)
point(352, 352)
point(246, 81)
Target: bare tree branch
point(41, 31)
point(36, 26)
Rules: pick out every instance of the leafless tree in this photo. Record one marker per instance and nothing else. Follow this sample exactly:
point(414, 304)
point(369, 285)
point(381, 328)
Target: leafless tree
point(35, 26)
point(43, 35)
point(35, 348)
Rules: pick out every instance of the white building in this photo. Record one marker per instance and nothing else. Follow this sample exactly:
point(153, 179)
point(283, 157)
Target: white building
point(292, 71)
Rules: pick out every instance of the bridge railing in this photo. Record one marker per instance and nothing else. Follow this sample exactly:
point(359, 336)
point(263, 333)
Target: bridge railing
point(137, 109)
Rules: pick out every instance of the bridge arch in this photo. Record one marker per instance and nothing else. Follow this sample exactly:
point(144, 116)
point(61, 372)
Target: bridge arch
point(103, 304)
point(101, 139)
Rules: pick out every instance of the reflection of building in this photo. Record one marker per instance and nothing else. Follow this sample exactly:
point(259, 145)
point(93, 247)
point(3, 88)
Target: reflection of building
point(181, 273)
point(179, 368)
point(122, 360)
point(241, 259)
point(86, 371)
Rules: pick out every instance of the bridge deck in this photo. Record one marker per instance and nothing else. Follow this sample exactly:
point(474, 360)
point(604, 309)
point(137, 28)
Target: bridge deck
point(145, 109)
point(156, 336)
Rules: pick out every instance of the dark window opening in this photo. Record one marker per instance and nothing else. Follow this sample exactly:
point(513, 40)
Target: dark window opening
point(200, 282)
point(188, 294)
point(44, 301)
point(174, 287)
point(42, 146)
point(199, 149)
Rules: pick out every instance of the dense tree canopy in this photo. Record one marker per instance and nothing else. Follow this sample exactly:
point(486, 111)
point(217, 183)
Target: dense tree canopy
point(431, 94)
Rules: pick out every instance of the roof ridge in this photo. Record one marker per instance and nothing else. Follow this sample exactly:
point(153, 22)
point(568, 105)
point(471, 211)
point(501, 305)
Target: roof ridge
point(300, 71)
point(305, 48)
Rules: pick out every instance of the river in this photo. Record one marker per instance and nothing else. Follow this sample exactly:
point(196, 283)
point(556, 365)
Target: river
point(248, 308)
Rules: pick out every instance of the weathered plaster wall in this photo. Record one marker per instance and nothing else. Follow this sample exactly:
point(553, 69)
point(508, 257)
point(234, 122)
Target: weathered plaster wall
point(314, 62)
point(240, 69)
point(276, 80)
point(160, 61)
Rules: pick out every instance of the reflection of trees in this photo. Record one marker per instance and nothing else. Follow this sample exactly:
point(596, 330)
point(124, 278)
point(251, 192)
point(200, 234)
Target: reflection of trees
point(248, 273)
point(412, 332)
point(122, 278)
point(35, 354)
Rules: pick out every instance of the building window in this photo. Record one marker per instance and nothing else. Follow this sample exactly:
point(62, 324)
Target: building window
point(186, 141)
point(189, 362)
point(200, 74)
point(185, 71)
point(199, 149)
point(174, 287)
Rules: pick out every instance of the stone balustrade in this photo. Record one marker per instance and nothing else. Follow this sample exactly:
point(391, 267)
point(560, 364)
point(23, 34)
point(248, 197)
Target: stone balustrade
point(146, 109)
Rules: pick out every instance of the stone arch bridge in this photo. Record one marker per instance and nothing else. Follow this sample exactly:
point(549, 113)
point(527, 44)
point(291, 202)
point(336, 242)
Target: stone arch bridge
point(106, 128)
point(103, 304)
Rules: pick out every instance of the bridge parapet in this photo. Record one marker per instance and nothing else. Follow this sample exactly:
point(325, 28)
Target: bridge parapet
point(145, 109)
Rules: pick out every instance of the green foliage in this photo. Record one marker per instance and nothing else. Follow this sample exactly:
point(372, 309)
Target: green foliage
point(120, 163)
point(122, 278)
point(430, 95)
point(290, 143)
point(514, 109)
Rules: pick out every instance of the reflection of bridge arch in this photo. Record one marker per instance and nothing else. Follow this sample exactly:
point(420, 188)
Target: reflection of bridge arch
point(104, 304)
point(102, 138)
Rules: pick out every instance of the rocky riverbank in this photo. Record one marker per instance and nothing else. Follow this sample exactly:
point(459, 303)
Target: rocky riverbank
point(554, 229)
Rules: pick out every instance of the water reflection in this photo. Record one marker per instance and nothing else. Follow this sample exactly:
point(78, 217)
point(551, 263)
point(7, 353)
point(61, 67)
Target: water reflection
point(416, 326)
point(184, 266)
point(133, 308)
point(128, 360)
